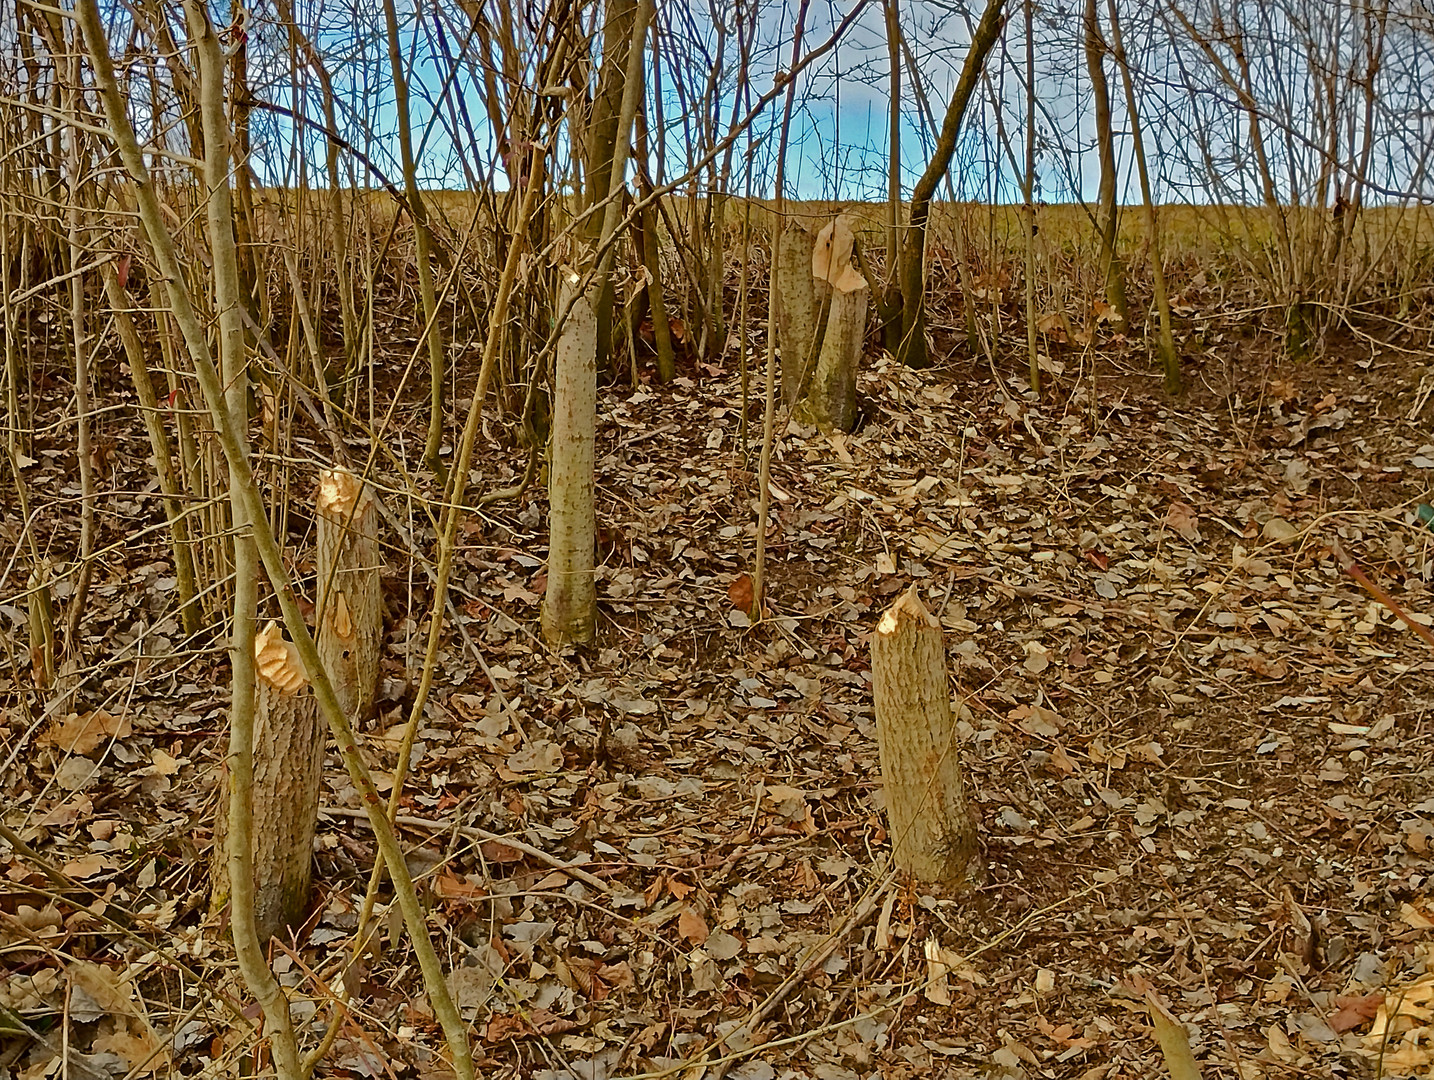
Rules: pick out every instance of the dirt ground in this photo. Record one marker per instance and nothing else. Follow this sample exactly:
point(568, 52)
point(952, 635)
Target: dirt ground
point(1200, 753)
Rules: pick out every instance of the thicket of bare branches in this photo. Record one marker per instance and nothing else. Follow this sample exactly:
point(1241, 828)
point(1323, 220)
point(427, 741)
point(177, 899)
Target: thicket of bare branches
point(329, 234)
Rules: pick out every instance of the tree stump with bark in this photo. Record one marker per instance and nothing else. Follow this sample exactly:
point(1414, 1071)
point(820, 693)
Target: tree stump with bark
point(350, 613)
point(570, 604)
point(288, 772)
point(830, 400)
point(932, 832)
point(798, 309)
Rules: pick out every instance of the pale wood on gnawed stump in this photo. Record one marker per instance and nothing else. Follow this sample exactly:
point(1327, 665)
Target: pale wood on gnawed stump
point(288, 772)
point(350, 632)
point(932, 832)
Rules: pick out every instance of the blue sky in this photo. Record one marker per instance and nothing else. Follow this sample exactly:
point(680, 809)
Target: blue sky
point(1195, 131)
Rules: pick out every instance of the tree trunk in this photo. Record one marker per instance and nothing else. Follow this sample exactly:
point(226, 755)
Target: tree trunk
point(1028, 215)
point(288, 770)
point(830, 400)
point(652, 263)
point(1169, 358)
point(932, 832)
point(1112, 270)
point(350, 616)
point(913, 252)
point(570, 607)
point(601, 147)
point(797, 308)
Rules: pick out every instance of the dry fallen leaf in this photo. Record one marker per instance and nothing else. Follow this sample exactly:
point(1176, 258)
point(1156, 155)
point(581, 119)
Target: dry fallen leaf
point(80, 734)
point(740, 592)
point(1419, 914)
point(140, 1051)
point(1181, 518)
point(1354, 1012)
point(691, 926)
point(87, 866)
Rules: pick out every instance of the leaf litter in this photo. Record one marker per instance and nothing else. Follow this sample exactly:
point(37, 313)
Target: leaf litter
point(1199, 752)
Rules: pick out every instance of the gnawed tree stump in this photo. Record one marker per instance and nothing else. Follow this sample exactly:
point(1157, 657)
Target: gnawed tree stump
point(350, 632)
point(933, 835)
point(831, 395)
point(288, 771)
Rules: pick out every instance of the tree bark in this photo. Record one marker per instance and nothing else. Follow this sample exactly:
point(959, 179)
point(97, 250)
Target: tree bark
point(913, 252)
point(831, 401)
point(932, 832)
point(601, 147)
point(797, 308)
point(570, 606)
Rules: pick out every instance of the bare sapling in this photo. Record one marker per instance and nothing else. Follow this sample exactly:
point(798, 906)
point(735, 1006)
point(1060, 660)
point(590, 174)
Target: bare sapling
point(769, 410)
point(1028, 206)
point(191, 615)
point(1112, 269)
point(912, 351)
point(652, 264)
point(76, 212)
point(1169, 358)
point(888, 302)
point(278, 1023)
point(245, 744)
point(422, 244)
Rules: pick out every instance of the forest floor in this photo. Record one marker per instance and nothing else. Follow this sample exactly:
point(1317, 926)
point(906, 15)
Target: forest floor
point(1202, 758)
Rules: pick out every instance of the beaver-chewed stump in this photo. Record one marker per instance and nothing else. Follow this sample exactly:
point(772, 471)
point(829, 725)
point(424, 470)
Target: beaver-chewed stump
point(288, 771)
point(932, 832)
